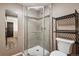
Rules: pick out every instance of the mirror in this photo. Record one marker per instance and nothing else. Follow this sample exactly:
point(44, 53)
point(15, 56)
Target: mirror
point(11, 29)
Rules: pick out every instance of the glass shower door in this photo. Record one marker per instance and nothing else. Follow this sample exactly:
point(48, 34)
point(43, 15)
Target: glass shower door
point(37, 40)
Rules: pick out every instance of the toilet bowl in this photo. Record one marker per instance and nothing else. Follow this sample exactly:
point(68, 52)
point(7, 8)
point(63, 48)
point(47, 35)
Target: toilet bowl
point(63, 46)
point(57, 53)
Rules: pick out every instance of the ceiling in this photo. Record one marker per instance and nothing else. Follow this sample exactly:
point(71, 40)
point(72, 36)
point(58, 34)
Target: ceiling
point(34, 4)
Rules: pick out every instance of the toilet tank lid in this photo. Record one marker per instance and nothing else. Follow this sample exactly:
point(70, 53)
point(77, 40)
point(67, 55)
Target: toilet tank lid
point(65, 40)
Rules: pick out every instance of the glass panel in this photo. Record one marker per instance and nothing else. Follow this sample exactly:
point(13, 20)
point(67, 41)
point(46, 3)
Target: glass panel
point(37, 24)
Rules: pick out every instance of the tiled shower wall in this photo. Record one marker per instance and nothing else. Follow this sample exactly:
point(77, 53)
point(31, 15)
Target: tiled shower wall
point(34, 30)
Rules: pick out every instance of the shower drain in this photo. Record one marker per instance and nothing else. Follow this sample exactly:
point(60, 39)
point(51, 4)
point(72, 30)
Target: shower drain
point(37, 50)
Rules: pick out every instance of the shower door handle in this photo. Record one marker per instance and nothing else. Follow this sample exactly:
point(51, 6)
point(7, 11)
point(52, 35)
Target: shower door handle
point(43, 28)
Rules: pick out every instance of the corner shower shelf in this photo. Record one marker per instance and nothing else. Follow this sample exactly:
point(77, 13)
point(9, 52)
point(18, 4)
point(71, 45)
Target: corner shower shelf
point(33, 17)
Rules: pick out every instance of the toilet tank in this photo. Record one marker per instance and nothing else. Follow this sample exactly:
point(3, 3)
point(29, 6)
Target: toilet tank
point(64, 45)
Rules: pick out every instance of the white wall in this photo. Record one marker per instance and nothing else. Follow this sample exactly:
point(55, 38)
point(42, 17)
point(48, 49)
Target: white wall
point(60, 9)
point(2, 31)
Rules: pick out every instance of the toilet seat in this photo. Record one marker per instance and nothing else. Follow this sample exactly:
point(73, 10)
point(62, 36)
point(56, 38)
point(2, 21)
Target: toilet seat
point(63, 47)
point(57, 53)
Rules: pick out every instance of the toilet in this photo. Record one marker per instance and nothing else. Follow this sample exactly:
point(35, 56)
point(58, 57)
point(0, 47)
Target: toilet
point(63, 47)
